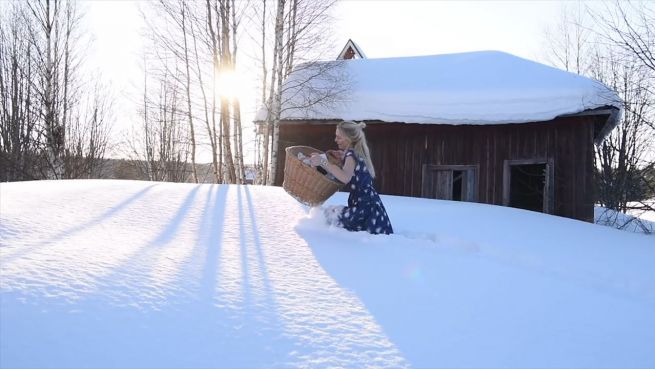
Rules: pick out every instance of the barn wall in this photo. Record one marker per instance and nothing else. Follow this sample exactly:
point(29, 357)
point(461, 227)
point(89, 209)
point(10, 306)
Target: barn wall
point(399, 151)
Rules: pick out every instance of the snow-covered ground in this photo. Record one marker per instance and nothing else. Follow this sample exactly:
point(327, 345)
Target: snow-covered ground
point(638, 221)
point(139, 274)
point(645, 215)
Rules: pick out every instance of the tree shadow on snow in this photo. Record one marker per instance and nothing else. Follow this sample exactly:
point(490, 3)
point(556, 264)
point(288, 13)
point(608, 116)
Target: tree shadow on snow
point(400, 289)
point(67, 233)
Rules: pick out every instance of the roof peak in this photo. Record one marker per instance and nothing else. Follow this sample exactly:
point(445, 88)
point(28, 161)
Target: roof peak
point(351, 51)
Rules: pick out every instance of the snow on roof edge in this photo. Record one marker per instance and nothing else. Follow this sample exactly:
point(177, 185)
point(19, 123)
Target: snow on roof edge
point(579, 93)
point(612, 111)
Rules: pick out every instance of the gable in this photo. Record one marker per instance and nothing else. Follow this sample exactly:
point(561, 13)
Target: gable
point(351, 51)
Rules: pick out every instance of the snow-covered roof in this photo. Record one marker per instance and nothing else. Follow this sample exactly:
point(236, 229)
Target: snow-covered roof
point(485, 87)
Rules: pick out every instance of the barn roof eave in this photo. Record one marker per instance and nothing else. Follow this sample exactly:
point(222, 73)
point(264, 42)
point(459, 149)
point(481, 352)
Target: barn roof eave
point(613, 119)
point(610, 124)
point(299, 121)
point(612, 113)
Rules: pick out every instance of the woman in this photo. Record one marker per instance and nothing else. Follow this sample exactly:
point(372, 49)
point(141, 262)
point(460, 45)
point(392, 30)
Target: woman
point(365, 210)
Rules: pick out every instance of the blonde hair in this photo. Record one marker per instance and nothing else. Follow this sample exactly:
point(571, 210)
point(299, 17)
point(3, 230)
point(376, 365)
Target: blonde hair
point(354, 131)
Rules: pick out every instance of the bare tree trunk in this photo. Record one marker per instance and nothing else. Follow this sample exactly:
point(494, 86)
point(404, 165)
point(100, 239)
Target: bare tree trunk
point(226, 64)
point(46, 18)
point(87, 135)
point(272, 98)
point(278, 70)
point(236, 107)
point(238, 142)
point(149, 150)
point(188, 94)
point(66, 78)
point(211, 133)
point(299, 28)
point(211, 127)
point(160, 150)
point(216, 65)
point(262, 131)
point(227, 149)
point(291, 37)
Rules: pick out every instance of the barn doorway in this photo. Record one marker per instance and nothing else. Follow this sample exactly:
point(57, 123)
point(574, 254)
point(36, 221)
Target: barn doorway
point(449, 182)
point(528, 185)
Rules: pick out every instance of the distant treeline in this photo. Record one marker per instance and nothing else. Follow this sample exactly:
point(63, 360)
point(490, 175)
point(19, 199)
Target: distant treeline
point(132, 170)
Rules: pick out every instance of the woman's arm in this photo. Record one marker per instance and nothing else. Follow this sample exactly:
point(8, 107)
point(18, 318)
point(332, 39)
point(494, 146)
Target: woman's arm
point(342, 174)
point(335, 155)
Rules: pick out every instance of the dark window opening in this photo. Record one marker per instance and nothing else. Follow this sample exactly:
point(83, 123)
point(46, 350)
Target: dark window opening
point(527, 185)
point(458, 184)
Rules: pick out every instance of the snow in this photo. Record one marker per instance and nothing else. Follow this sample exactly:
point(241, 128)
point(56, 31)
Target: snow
point(105, 273)
point(644, 215)
point(639, 221)
point(484, 87)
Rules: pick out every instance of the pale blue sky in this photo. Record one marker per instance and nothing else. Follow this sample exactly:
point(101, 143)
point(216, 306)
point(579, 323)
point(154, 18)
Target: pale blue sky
point(405, 28)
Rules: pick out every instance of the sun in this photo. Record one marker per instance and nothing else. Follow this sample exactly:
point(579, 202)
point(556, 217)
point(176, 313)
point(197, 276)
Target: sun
point(230, 84)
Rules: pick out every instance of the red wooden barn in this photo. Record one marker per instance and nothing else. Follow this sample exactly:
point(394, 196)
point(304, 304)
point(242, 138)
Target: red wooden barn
point(485, 127)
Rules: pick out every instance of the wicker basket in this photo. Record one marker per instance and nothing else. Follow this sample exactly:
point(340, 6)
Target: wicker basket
point(304, 183)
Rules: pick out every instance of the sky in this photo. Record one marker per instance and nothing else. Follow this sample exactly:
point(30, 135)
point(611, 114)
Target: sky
point(172, 275)
point(409, 28)
point(382, 28)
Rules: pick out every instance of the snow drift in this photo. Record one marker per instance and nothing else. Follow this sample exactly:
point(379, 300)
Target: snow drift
point(139, 274)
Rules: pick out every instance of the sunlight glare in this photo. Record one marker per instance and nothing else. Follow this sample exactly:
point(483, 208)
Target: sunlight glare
point(230, 84)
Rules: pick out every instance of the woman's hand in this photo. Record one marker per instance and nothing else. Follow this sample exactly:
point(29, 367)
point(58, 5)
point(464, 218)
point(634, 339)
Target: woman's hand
point(317, 160)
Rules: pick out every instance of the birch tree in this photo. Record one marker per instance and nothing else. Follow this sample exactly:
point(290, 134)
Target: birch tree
point(50, 59)
point(159, 147)
point(300, 36)
point(171, 35)
point(45, 94)
point(18, 122)
point(201, 37)
point(225, 66)
point(87, 136)
point(236, 105)
point(570, 41)
point(187, 64)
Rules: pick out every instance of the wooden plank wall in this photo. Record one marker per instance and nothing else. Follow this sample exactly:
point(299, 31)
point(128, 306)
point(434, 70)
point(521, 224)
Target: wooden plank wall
point(399, 151)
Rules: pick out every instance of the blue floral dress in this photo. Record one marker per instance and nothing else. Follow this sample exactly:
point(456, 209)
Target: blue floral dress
point(365, 211)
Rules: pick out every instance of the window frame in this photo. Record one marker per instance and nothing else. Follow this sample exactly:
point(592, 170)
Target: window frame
point(429, 174)
point(549, 190)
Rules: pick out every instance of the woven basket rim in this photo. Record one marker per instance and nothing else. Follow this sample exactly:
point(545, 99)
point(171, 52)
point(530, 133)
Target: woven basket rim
point(305, 183)
point(311, 150)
